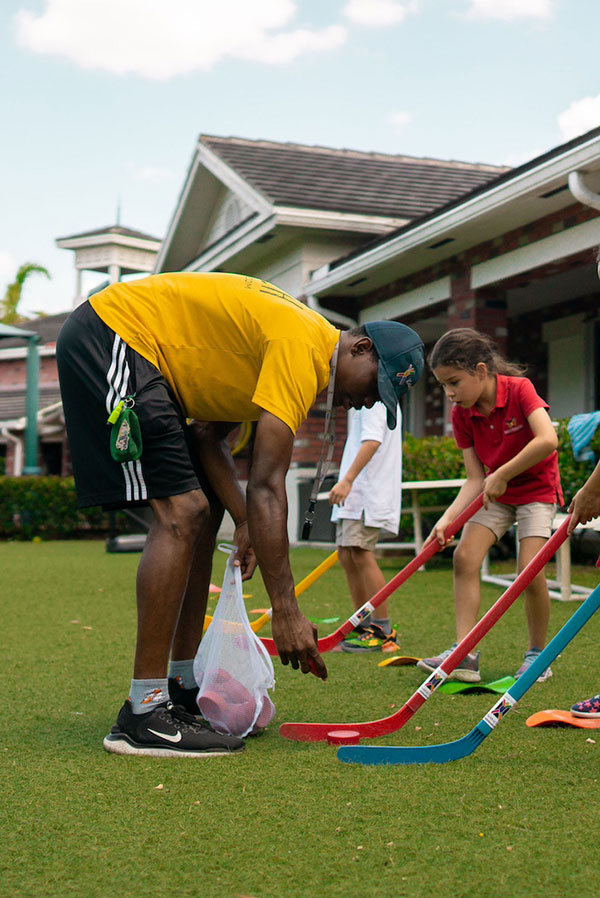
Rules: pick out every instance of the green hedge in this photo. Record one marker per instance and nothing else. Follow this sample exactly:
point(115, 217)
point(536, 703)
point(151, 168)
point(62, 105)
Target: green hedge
point(46, 506)
point(573, 474)
point(438, 458)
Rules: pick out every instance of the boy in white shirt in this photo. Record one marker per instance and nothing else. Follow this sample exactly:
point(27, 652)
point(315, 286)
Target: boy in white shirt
point(366, 503)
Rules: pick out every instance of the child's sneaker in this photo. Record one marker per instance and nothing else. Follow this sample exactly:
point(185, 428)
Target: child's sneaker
point(588, 708)
point(528, 660)
point(467, 671)
point(371, 639)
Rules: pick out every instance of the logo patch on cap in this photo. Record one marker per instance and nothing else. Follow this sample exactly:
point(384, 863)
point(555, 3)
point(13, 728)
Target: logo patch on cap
point(404, 375)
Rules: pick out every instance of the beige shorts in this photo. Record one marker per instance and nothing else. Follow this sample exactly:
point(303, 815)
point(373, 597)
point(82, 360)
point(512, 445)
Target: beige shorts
point(356, 535)
point(533, 519)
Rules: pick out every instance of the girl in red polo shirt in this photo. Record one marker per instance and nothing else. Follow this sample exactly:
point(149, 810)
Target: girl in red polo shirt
point(509, 450)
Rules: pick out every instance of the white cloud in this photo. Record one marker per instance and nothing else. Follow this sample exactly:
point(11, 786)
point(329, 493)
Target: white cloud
point(581, 116)
point(400, 118)
point(282, 48)
point(376, 13)
point(511, 9)
point(160, 40)
point(153, 174)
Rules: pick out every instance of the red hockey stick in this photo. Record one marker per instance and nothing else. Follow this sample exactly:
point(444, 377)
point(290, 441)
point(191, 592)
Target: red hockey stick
point(318, 732)
point(427, 552)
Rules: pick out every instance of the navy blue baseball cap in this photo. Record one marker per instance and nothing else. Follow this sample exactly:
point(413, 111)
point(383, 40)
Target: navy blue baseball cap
point(401, 361)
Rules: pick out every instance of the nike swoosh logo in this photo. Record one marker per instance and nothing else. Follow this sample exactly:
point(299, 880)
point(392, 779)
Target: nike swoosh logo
point(167, 736)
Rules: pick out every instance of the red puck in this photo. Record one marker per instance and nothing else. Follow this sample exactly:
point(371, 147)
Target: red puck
point(343, 737)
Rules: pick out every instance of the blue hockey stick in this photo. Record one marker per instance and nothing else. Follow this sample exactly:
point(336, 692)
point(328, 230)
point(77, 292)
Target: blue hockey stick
point(452, 751)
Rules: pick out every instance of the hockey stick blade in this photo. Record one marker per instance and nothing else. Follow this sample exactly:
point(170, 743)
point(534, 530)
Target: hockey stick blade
point(329, 642)
point(317, 732)
point(461, 748)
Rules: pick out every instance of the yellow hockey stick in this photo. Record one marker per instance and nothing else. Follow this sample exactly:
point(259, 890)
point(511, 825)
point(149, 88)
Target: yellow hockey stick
point(320, 569)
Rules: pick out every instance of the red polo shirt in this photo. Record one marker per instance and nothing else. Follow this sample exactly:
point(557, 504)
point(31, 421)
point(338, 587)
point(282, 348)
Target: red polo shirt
point(499, 436)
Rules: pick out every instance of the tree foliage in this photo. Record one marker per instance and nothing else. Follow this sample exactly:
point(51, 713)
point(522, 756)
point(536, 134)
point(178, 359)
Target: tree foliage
point(9, 305)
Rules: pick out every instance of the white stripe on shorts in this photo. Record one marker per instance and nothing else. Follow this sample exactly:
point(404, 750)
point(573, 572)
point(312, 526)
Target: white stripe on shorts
point(117, 379)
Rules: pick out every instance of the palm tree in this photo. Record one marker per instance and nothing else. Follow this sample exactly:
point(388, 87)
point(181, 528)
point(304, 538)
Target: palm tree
point(12, 297)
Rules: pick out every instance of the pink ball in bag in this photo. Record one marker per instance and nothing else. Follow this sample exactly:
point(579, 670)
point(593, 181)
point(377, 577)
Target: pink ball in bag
point(227, 705)
point(227, 716)
point(267, 713)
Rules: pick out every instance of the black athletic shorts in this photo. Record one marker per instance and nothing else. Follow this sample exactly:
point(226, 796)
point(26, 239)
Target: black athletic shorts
point(96, 369)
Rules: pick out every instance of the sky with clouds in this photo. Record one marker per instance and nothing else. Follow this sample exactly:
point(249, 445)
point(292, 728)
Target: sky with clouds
point(102, 100)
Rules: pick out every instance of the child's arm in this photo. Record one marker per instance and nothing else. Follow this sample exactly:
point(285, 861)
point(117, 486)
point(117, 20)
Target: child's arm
point(586, 501)
point(468, 491)
point(339, 492)
point(544, 442)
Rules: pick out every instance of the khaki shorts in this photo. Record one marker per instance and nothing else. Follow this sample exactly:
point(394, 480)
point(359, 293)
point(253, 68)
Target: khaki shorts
point(533, 519)
point(356, 535)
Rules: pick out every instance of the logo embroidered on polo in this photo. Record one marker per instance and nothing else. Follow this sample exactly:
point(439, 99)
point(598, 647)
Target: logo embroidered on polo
point(511, 426)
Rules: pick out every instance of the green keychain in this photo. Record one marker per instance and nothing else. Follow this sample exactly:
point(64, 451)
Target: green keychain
point(125, 433)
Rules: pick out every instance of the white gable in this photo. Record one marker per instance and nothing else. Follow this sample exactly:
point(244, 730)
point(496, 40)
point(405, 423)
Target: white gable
point(229, 212)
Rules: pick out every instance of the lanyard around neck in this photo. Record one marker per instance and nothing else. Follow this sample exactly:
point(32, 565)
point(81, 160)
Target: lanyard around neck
point(326, 447)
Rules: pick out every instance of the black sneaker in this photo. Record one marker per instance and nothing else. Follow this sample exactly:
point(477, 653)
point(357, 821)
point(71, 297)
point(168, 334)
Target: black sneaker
point(184, 697)
point(167, 731)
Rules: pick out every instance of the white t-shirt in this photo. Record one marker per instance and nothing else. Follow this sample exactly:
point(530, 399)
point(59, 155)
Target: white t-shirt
point(377, 491)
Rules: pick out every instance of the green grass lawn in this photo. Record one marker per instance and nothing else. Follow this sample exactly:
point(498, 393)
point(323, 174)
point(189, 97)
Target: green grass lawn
point(517, 818)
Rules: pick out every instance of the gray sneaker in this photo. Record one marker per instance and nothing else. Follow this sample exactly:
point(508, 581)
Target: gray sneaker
point(467, 671)
point(528, 660)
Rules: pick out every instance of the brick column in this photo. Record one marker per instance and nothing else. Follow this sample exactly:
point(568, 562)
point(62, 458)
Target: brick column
point(309, 436)
point(10, 459)
point(484, 310)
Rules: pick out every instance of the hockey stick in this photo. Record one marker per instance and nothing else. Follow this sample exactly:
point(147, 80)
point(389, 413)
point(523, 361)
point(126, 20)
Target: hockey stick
point(318, 732)
point(428, 551)
point(452, 751)
point(320, 569)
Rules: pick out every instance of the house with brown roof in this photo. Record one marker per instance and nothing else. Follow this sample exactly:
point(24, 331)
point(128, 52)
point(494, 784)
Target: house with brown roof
point(514, 257)
point(281, 210)
point(435, 244)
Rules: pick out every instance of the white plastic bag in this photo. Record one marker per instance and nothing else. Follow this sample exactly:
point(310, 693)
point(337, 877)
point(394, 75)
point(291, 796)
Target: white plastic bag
point(232, 668)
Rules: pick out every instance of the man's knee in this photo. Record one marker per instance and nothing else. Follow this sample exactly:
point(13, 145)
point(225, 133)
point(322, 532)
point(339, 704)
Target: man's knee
point(185, 515)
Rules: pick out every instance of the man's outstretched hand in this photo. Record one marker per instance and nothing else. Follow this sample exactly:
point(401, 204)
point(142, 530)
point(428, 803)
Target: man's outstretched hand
point(296, 641)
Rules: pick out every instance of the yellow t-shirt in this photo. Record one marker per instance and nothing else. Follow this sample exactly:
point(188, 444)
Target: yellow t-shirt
point(228, 345)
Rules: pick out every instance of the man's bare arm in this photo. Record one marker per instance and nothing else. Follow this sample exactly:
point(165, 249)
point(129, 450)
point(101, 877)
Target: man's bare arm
point(295, 637)
point(209, 440)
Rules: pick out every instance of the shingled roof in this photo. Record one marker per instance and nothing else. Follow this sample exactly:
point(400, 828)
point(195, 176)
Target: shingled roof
point(314, 177)
point(48, 327)
point(13, 401)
